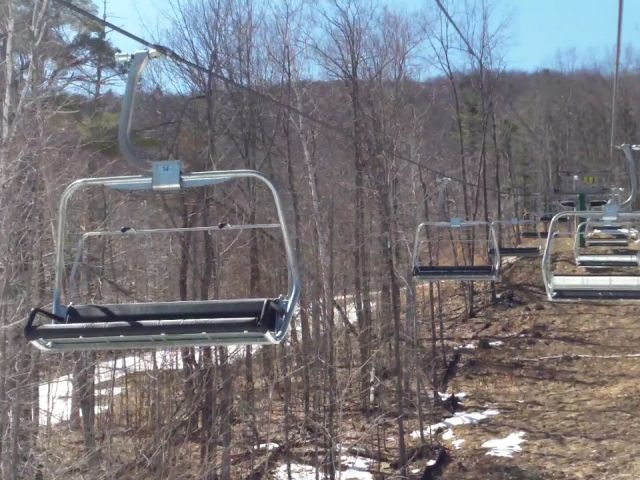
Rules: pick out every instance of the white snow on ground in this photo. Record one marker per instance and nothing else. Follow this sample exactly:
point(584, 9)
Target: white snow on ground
point(505, 447)
point(459, 418)
point(267, 446)
point(457, 443)
point(473, 346)
point(55, 400)
point(298, 472)
point(445, 395)
point(356, 469)
point(449, 436)
point(55, 396)
point(360, 464)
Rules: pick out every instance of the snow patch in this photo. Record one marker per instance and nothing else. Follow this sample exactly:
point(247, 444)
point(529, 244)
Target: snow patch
point(505, 447)
point(55, 395)
point(55, 400)
point(357, 470)
point(457, 443)
point(267, 446)
point(449, 436)
point(361, 464)
point(496, 343)
point(459, 418)
point(298, 472)
point(445, 395)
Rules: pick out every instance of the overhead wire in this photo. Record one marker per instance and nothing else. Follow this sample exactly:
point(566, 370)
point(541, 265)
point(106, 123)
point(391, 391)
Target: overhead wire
point(458, 31)
point(169, 53)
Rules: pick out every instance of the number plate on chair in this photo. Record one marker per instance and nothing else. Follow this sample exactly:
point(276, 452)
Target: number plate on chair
point(166, 175)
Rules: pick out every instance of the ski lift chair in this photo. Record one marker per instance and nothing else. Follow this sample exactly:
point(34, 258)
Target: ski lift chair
point(598, 203)
point(588, 286)
point(606, 234)
point(518, 251)
point(164, 324)
point(532, 221)
point(538, 233)
point(568, 203)
point(489, 271)
point(71, 327)
point(595, 257)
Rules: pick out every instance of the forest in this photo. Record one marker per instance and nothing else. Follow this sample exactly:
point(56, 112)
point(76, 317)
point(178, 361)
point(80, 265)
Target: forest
point(357, 112)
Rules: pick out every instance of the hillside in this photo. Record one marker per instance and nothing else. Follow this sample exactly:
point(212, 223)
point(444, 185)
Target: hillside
point(350, 118)
point(565, 377)
point(558, 377)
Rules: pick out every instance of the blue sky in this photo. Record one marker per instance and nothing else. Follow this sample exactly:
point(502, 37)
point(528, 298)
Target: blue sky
point(537, 30)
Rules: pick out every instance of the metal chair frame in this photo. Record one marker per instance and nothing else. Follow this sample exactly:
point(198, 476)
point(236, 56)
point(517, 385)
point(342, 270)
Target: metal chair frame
point(602, 260)
point(132, 330)
point(588, 286)
point(452, 272)
point(522, 252)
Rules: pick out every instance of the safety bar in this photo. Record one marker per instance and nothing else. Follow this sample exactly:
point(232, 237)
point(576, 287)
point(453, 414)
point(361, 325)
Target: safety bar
point(129, 231)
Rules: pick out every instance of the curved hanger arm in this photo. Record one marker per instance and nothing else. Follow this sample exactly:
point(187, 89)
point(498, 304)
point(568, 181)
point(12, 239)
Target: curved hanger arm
point(628, 150)
point(138, 62)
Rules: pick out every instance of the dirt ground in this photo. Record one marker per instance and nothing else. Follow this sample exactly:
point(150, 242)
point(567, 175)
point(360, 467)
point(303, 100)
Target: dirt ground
point(566, 375)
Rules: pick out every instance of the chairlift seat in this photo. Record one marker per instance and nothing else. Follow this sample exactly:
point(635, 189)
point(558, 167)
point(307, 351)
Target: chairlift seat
point(548, 217)
point(608, 260)
point(568, 203)
point(609, 227)
point(611, 234)
point(139, 325)
point(593, 287)
point(453, 272)
point(534, 234)
point(614, 230)
point(517, 251)
point(597, 203)
point(607, 242)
